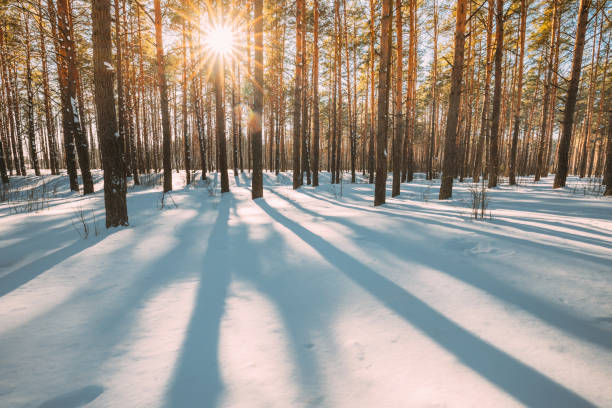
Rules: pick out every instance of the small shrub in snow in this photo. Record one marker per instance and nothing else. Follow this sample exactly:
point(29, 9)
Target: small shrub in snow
point(480, 201)
point(80, 224)
point(163, 202)
point(26, 200)
point(591, 186)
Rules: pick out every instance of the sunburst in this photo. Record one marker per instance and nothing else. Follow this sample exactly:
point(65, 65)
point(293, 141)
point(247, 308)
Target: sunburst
point(219, 39)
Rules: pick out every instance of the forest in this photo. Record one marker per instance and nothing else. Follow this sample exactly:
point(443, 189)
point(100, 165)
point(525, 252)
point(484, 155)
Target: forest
point(305, 203)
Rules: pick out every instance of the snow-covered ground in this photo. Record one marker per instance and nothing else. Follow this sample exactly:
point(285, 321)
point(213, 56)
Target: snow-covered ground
point(306, 298)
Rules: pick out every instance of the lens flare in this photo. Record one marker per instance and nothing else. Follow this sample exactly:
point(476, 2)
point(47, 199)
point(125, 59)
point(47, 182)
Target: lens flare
point(219, 39)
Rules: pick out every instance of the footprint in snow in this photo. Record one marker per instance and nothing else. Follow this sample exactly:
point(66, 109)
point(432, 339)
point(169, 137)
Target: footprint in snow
point(485, 248)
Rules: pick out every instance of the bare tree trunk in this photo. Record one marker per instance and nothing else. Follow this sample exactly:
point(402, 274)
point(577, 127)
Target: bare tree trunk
point(570, 102)
point(517, 106)
point(163, 95)
point(398, 129)
point(587, 123)
point(186, 136)
point(315, 97)
point(608, 166)
point(257, 183)
point(495, 116)
point(546, 99)
point(371, 152)
point(349, 92)
point(115, 185)
point(49, 122)
point(410, 122)
point(446, 187)
point(62, 72)
point(297, 97)
point(383, 102)
point(30, 101)
point(434, 97)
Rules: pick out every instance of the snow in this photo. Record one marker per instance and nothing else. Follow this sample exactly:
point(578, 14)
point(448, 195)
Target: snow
point(75, 111)
point(306, 298)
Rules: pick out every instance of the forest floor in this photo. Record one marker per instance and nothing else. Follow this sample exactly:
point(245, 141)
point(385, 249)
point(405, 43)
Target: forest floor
point(305, 298)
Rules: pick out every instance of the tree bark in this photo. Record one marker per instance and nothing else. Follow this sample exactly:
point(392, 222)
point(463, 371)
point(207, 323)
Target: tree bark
point(398, 128)
point(30, 101)
point(315, 98)
point(257, 183)
point(186, 135)
point(434, 97)
point(608, 166)
point(297, 95)
point(115, 185)
point(446, 187)
point(517, 106)
point(497, 91)
point(163, 96)
point(383, 102)
point(572, 92)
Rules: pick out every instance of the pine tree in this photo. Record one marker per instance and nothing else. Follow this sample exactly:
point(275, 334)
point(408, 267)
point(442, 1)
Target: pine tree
point(257, 183)
point(115, 185)
point(446, 187)
point(570, 101)
point(383, 102)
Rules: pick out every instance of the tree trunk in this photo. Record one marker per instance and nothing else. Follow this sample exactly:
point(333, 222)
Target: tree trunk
point(517, 106)
point(587, 123)
point(257, 183)
point(484, 125)
point(608, 166)
point(371, 152)
point(495, 116)
point(30, 102)
point(434, 97)
point(115, 185)
point(297, 96)
point(398, 128)
point(186, 136)
point(383, 103)
point(163, 96)
point(315, 97)
point(570, 102)
point(446, 187)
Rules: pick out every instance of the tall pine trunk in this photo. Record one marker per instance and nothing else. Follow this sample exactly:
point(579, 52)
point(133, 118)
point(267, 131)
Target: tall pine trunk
point(297, 94)
point(446, 187)
point(115, 185)
point(383, 102)
point(497, 91)
point(30, 101)
point(315, 98)
point(163, 96)
point(572, 92)
point(257, 183)
point(517, 106)
point(398, 128)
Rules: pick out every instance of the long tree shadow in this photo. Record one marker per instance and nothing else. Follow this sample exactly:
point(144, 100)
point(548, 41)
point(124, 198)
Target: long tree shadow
point(516, 378)
point(408, 209)
point(106, 323)
point(61, 232)
point(419, 214)
point(542, 309)
point(292, 293)
point(26, 273)
point(196, 380)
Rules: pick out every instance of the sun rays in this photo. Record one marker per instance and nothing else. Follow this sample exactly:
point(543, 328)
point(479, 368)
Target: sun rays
point(219, 39)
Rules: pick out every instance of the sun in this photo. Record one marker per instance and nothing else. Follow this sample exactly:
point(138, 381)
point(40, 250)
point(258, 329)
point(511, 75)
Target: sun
point(219, 39)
